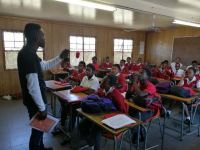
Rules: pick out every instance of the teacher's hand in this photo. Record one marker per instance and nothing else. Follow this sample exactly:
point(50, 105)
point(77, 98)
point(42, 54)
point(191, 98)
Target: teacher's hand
point(42, 115)
point(64, 54)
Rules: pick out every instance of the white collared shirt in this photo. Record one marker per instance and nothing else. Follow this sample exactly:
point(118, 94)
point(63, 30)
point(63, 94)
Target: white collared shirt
point(92, 83)
point(190, 81)
point(173, 64)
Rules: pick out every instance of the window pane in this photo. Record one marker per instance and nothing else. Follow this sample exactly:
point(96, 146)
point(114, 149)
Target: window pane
point(11, 60)
point(8, 36)
point(117, 57)
point(72, 39)
point(126, 54)
point(92, 41)
point(9, 45)
point(88, 57)
point(79, 40)
point(92, 47)
point(79, 47)
point(18, 36)
point(73, 60)
point(86, 40)
point(19, 44)
point(86, 47)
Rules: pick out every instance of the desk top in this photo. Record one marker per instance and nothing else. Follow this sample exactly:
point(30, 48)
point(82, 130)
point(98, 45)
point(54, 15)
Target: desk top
point(136, 107)
point(176, 98)
point(69, 97)
point(58, 71)
point(97, 118)
point(52, 85)
point(176, 79)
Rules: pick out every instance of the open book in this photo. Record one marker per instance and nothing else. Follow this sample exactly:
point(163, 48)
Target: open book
point(46, 125)
point(118, 121)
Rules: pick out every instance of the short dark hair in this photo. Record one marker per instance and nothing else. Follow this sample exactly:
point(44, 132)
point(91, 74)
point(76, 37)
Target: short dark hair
point(94, 57)
point(31, 30)
point(118, 66)
point(193, 69)
point(83, 63)
point(123, 60)
point(91, 67)
point(194, 61)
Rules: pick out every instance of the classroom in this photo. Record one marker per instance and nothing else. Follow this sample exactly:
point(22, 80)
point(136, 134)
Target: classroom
point(99, 75)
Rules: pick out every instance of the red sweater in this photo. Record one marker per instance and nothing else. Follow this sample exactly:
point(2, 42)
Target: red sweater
point(165, 73)
point(106, 65)
point(137, 67)
point(77, 76)
point(122, 81)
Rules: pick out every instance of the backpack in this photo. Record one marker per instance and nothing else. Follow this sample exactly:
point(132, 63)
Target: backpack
point(180, 91)
point(95, 104)
point(164, 87)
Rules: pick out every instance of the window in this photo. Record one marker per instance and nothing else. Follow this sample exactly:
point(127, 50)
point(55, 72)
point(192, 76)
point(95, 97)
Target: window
point(122, 49)
point(13, 42)
point(86, 47)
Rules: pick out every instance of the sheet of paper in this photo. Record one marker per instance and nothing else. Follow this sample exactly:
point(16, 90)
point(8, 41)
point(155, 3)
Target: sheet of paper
point(46, 125)
point(118, 121)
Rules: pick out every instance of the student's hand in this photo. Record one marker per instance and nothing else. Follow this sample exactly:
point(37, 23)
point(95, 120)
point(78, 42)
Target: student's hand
point(42, 115)
point(64, 54)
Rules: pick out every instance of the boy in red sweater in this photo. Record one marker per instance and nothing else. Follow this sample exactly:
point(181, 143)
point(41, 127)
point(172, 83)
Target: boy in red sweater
point(129, 64)
point(94, 63)
point(165, 71)
point(107, 64)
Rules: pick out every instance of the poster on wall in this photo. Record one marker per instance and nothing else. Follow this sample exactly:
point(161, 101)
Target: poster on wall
point(141, 47)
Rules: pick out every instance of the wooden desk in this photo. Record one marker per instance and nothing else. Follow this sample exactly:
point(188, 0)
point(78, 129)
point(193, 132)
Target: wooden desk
point(176, 98)
point(51, 85)
point(97, 118)
point(58, 71)
point(136, 107)
point(69, 97)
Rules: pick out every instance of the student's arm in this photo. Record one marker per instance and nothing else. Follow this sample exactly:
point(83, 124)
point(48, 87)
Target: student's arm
point(50, 63)
point(34, 90)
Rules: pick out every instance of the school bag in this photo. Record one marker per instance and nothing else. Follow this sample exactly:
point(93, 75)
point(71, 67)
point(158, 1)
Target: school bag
point(95, 104)
point(180, 92)
point(164, 87)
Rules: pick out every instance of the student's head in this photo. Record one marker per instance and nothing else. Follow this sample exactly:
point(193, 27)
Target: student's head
point(128, 59)
point(178, 60)
point(194, 63)
point(90, 70)
point(191, 72)
point(107, 59)
point(34, 34)
point(164, 64)
point(144, 75)
point(115, 69)
point(139, 60)
point(94, 60)
point(177, 66)
point(122, 62)
point(108, 82)
point(81, 65)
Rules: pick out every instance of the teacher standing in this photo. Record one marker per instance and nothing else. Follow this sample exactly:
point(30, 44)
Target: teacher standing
point(30, 68)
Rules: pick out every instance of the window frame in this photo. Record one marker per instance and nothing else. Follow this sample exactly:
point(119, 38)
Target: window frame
point(122, 38)
point(4, 51)
point(83, 36)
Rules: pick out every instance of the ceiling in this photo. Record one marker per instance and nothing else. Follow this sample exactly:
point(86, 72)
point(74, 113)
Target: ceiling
point(130, 14)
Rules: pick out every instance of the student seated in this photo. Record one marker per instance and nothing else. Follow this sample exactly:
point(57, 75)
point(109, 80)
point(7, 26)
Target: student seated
point(129, 63)
point(94, 63)
point(89, 81)
point(141, 88)
point(77, 75)
point(190, 81)
point(178, 72)
point(90, 131)
point(116, 71)
point(177, 61)
point(65, 65)
point(107, 64)
point(194, 65)
point(124, 69)
point(165, 71)
point(139, 65)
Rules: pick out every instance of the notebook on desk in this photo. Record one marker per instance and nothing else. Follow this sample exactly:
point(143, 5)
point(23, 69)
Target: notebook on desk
point(118, 121)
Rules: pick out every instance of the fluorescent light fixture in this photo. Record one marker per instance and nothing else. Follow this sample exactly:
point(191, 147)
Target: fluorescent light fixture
point(89, 4)
point(186, 23)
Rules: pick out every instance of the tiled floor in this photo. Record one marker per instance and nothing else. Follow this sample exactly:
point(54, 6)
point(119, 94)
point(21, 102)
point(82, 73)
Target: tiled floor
point(15, 132)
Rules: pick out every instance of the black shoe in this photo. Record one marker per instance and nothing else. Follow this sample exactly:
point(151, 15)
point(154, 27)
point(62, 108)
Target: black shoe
point(187, 121)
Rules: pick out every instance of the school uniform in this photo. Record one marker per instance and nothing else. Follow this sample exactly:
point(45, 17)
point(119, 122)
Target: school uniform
point(96, 66)
point(165, 73)
point(77, 76)
point(92, 83)
point(173, 64)
point(122, 81)
point(124, 70)
point(137, 67)
point(194, 83)
point(128, 65)
point(106, 65)
point(179, 73)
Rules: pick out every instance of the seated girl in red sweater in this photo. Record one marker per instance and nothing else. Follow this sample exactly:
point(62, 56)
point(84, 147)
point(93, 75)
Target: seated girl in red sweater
point(192, 82)
point(107, 64)
point(116, 71)
point(165, 71)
